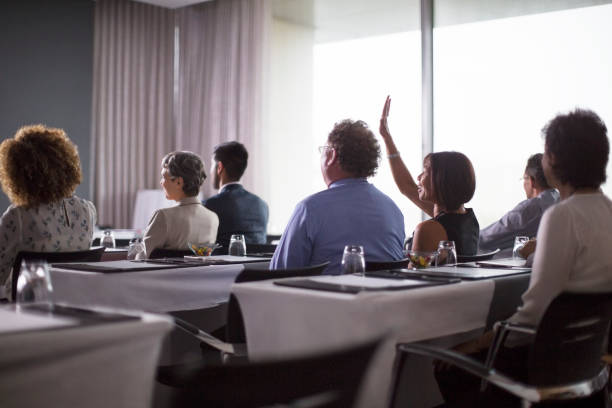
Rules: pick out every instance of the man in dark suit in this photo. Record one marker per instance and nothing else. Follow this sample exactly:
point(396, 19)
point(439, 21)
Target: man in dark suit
point(239, 211)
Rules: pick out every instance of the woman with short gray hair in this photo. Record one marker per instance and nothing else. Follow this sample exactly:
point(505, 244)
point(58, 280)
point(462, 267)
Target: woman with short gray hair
point(182, 174)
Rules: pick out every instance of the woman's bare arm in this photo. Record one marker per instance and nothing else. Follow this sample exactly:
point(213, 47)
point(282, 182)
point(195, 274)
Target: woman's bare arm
point(403, 179)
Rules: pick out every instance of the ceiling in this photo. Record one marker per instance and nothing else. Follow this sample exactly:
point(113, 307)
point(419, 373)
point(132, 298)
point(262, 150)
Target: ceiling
point(172, 3)
point(335, 20)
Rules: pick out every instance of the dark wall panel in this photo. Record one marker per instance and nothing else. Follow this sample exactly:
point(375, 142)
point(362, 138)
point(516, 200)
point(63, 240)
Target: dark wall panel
point(46, 57)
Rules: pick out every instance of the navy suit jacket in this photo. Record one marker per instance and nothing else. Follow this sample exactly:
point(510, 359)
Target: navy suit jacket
point(239, 212)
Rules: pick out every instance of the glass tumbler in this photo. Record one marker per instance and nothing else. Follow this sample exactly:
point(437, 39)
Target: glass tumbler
point(353, 260)
point(34, 282)
point(237, 246)
point(136, 249)
point(108, 239)
point(519, 242)
point(447, 254)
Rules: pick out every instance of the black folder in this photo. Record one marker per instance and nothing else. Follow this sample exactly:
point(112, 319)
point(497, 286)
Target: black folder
point(423, 281)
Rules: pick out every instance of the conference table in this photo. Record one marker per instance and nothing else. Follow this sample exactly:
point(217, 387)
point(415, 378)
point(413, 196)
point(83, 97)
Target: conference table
point(284, 321)
point(197, 294)
point(154, 290)
point(84, 358)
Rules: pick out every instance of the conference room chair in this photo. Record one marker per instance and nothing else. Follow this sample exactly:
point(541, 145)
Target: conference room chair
point(272, 239)
point(233, 346)
point(380, 266)
point(169, 253)
point(261, 249)
point(329, 379)
point(267, 249)
point(88, 255)
point(565, 363)
point(483, 256)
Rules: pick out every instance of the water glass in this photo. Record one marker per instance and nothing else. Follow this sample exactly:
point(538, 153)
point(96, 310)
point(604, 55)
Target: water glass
point(353, 260)
point(447, 254)
point(136, 249)
point(519, 242)
point(34, 282)
point(108, 239)
point(237, 246)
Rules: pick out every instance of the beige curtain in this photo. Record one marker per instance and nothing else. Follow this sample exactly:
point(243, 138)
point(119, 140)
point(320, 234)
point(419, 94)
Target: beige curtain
point(221, 54)
point(133, 91)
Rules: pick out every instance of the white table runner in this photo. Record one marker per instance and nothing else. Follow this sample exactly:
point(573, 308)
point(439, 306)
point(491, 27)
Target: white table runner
point(153, 291)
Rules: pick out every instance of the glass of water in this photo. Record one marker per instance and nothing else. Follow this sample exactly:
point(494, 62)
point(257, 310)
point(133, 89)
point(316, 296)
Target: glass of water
point(108, 239)
point(447, 254)
point(353, 260)
point(34, 282)
point(519, 242)
point(237, 246)
point(136, 249)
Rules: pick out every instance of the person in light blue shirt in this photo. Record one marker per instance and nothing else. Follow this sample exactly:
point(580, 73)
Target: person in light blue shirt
point(350, 212)
point(524, 219)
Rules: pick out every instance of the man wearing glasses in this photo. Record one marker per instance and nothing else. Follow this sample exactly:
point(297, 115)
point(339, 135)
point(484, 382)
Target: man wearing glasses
point(524, 219)
point(350, 211)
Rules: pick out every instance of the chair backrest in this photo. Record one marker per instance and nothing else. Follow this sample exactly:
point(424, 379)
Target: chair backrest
point(570, 339)
point(251, 275)
point(169, 253)
point(483, 256)
point(235, 322)
point(88, 255)
point(323, 380)
point(260, 248)
point(272, 239)
point(379, 266)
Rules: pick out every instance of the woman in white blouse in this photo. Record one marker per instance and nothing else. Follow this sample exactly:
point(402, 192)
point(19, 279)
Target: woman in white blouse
point(182, 174)
point(39, 171)
point(573, 251)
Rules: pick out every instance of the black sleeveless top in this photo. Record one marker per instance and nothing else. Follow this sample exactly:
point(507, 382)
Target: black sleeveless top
point(463, 229)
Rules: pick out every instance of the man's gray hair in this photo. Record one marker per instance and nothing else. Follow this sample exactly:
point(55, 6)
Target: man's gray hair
point(189, 166)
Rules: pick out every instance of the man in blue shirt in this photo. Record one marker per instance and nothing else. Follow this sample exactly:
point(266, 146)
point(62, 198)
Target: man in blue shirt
point(239, 211)
point(350, 212)
point(524, 219)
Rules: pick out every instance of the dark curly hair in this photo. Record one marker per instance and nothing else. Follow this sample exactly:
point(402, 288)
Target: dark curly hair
point(534, 169)
point(357, 148)
point(578, 143)
point(40, 165)
point(454, 181)
point(190, 167)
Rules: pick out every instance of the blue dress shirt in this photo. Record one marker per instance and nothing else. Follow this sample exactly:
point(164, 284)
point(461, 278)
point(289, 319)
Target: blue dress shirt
point(351, 211)
point(524, 219)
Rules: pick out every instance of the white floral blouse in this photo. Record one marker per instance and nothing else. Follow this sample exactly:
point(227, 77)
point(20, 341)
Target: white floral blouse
point(66, 225)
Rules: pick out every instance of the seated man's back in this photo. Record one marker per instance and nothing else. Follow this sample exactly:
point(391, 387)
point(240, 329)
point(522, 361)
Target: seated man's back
point(239, 212)
point(351, 211)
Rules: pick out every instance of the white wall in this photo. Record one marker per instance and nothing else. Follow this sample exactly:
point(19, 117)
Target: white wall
point(291, 166)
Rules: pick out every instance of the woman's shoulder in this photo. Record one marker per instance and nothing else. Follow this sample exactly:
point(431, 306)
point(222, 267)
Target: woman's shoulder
point(428, 234)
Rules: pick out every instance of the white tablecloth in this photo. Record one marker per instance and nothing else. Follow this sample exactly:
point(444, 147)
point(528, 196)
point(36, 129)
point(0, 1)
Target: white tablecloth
point(281, 321)
point(97, 365)
point(153, 291)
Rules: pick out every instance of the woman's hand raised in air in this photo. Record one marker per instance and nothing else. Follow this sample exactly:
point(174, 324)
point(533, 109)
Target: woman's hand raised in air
point(384, 126)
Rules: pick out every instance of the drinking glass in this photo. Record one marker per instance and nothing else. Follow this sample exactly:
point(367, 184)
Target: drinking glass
point(447, 254)
point(34, 282)
point(519, 242)
point(108, 240)
point(237, 246)
point(136, 248)
point(353, 260)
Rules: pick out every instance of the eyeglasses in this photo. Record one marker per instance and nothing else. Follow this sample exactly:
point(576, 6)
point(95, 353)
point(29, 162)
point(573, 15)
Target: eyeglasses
point(323, 148)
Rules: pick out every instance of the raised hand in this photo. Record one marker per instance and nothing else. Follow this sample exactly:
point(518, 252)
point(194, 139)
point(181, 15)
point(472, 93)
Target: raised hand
point(384, 127)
